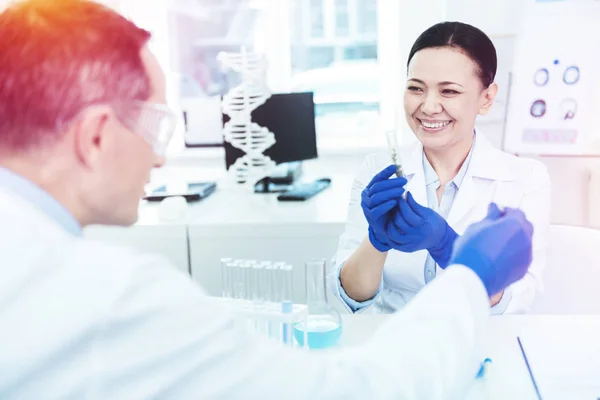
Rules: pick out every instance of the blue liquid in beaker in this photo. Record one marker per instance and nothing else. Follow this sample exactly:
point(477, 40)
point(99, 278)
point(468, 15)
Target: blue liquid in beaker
point(321, 333)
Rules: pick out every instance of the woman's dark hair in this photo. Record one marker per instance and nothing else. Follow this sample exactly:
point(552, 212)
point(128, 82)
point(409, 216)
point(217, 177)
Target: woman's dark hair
point(468, 39)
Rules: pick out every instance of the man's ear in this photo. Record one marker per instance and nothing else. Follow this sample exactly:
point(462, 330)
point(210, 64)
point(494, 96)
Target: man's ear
point(90, 130)
point(489, 97)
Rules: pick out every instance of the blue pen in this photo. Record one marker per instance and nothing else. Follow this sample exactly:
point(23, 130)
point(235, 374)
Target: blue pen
point(537, 391)
point(483, 369)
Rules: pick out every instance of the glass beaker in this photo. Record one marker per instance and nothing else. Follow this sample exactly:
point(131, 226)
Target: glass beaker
point(323, 324)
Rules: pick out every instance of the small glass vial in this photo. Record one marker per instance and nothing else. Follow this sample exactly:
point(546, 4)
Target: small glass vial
point(392, 143)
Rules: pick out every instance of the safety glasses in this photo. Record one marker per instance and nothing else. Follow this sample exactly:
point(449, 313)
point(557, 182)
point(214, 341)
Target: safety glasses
point(155, 123)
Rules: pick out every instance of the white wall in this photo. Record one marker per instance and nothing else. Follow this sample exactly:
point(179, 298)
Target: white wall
point(496, 18)
point(575, 180)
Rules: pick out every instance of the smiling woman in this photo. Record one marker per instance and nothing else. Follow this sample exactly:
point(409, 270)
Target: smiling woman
point(393, 245)
point(451, 70)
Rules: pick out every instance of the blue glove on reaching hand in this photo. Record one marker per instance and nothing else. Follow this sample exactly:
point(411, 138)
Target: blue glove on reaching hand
point(378, 199)
point(415, 227)
point(498, 248)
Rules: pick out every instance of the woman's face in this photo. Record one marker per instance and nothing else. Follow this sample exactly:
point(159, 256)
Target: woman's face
point(443, 96)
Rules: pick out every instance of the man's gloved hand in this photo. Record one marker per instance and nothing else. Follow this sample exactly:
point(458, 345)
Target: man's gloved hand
point(498, 248)
point(377, 200)
point(415, 227)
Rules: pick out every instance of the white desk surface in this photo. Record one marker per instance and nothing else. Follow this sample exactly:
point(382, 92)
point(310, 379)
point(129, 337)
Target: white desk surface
point(235, 204)
point(508, 376)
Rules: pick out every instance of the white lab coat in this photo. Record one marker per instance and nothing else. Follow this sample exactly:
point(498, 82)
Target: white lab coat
point(85, 320)
point(492, 176)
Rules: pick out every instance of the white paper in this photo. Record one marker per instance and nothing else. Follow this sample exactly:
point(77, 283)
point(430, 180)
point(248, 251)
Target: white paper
point(565, 362)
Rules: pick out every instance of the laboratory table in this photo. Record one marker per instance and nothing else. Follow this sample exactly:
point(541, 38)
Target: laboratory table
point(237, 223)
point(563, 353)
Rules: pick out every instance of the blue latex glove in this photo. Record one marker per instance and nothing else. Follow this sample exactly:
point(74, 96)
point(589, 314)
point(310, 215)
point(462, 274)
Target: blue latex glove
point(498, 248)
point(378, 199)
point(415, 227)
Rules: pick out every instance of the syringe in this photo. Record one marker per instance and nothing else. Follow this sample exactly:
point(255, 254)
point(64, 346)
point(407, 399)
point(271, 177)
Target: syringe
point(392, 143)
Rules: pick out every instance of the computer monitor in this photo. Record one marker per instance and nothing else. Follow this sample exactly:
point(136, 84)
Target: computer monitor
point(291, 118)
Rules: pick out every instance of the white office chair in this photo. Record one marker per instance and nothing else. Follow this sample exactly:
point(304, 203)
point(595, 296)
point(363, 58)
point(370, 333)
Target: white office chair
point(571, 278)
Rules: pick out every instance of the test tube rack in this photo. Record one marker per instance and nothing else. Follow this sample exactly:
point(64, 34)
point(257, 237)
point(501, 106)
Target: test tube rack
point(259, 293)
point(273, 320)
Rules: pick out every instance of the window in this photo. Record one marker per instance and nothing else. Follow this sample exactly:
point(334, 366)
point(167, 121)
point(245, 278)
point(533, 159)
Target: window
point(341, 69)
point(366, 12)
point(330, 55)
point(342, 22)
point(317, 28)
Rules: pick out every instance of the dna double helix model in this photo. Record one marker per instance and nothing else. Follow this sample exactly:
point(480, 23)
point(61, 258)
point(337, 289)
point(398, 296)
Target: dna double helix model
point(238, 104)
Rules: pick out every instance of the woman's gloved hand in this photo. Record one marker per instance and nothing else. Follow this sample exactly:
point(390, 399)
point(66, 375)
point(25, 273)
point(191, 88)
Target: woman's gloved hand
point(415, 227)
point(378, 199)
point(498, 248)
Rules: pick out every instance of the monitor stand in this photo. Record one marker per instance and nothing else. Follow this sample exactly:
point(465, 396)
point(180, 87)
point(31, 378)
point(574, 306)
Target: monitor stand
point(281, 179)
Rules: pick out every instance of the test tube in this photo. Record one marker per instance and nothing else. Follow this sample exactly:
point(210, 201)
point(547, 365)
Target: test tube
point(244, 280)
point(225, 285)
point(286, 282)
point(270, 283)
point(247, 276)
point(267, 287)
point(392, 142)
point(257, 276)
point(233, 278)
point(250, 282)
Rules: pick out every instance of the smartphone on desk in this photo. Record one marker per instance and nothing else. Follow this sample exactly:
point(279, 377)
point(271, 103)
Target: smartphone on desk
point(304, 191)
point(195, 191)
